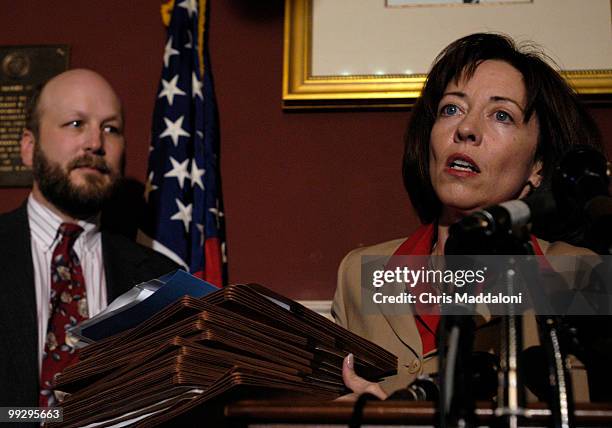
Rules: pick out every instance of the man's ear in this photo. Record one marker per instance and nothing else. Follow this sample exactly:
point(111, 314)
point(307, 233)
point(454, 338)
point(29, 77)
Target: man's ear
point(27, 147)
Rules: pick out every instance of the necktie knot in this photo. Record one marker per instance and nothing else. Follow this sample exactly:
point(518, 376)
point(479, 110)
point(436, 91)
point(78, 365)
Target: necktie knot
point(69, 232)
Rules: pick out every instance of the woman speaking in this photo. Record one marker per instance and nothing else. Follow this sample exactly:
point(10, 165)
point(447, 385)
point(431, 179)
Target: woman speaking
point(492, 122)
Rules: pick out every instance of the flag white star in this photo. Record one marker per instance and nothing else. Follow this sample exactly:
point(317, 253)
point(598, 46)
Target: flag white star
point(217, 213)
point(191, 7)
point(170, 89)
point(183, 214)
point(196, 175)
point(174, 130)
point(196, 86)
point(169, 51)
point(202, 234)
point(189, 44)
point(149, 186)
point(223, 253)
point(179, 170)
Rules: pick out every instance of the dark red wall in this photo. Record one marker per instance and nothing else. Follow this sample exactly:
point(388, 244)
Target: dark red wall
point(301, 189)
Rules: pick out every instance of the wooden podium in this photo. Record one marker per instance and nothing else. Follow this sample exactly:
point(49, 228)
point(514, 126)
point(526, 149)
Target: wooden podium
point(269, 413)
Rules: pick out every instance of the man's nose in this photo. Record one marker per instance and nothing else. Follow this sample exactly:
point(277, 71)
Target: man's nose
point(94, 142)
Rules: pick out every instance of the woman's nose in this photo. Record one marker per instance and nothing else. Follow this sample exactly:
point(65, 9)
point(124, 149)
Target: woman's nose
point(469, 129)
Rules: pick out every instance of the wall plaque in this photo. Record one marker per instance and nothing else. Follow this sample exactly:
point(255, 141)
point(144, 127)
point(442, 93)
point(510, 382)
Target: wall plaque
point(22, 68)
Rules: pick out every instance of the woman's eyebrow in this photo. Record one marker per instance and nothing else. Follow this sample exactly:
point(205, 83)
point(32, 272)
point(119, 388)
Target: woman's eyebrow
point(455, 93)
point(508, 100)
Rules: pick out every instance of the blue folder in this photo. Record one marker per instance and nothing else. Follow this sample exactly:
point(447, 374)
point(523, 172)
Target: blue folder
point(175, 285)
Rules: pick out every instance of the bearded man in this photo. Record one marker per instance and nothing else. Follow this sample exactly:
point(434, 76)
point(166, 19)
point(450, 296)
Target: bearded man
point(56, 266)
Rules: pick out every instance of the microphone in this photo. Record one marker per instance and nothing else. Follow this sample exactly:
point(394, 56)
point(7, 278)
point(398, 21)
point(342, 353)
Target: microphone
point(582, 175)
point(581, 185)
point(484, 378)
point(424, 388)
point(511, 215)
point(580, 192)
point(500, 229)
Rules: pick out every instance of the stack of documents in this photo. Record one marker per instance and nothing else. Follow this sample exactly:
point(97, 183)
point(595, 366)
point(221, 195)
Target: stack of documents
point(149, 361)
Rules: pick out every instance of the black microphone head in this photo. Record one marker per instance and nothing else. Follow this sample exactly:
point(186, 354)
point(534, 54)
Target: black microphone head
point(477, 235)
point(468, 235)
point(423, 388)
point(581, 187)
point(542, 205)
point(549, 220)
point(582, 174)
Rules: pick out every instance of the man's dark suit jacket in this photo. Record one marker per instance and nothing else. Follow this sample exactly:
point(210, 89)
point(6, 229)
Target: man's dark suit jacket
point(125, 262)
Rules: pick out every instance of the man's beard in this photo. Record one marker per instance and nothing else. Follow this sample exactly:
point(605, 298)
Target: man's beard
point(82, 201)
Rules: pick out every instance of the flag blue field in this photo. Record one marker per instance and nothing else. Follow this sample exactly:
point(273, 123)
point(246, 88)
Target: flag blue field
point(183, 189)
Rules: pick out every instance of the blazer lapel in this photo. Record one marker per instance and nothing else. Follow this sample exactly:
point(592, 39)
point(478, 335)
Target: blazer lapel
point(123, 264)
point(19, 313)
point(400, 315)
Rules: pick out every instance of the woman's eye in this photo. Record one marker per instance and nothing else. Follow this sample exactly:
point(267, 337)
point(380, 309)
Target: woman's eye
point(503, 116)
point(449, 110)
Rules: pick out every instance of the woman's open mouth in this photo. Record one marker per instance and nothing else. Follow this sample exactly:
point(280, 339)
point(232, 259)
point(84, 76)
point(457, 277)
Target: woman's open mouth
point(461, 165)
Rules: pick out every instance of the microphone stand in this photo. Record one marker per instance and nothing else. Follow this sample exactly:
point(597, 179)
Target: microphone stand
point(455, 343)
point(511, 400)
point(561, 397)
point(510, 395)
point(456, 408)
point(583, 337)
point(553, 333)
point(457, 405)
point(456, 338)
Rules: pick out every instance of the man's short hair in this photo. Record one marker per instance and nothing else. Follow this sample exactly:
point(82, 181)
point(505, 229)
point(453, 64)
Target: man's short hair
point(32, 110)
point(32, 113)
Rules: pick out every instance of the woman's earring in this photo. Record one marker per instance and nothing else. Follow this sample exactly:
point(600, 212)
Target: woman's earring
point(531, 186)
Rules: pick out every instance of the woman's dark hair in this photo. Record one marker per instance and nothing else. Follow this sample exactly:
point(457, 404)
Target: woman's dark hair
point(563, 120)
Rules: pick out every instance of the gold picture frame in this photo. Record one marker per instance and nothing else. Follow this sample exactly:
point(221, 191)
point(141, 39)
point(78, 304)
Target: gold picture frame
point(303, 90)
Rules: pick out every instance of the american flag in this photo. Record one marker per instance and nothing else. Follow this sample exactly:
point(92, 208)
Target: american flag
point(183, 188)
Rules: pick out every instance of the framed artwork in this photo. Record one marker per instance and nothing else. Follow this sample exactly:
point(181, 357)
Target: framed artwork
point(402, 3)
point(376, 53)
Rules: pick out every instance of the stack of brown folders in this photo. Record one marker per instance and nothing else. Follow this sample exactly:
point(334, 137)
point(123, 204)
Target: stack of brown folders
point(241, 341)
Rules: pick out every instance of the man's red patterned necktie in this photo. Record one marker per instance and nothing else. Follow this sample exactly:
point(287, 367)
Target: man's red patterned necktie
point(67, 307)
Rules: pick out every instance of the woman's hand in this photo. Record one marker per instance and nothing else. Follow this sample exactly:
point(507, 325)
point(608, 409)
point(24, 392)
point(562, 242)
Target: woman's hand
point(358, 384)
